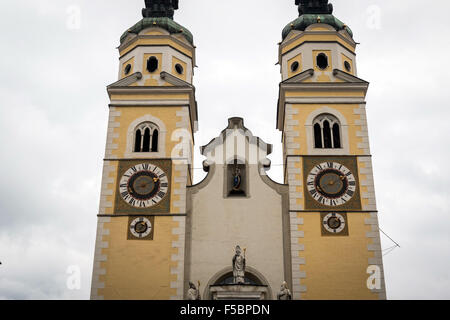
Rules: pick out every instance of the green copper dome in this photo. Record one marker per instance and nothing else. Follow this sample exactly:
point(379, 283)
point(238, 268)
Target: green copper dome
point(312, 12)
point(304, 21)
point(159, 22)
point(159, 14)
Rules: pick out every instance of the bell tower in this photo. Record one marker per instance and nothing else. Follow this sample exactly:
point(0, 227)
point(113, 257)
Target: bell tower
point(140, 241)
point(335, 241)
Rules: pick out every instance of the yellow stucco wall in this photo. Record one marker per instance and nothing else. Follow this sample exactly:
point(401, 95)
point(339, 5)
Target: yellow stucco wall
point(128, 115)
point(347, 110)
point(157, 41)
point(317, 38)
point(138, 270)
point(335, 266)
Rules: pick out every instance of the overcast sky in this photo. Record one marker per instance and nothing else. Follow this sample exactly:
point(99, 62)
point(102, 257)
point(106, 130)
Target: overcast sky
point(53, 116)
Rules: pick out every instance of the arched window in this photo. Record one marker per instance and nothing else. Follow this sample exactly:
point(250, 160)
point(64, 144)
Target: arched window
point(155, 141)
point(318, 136)
point(336, 136)
point(327, 135)
point(327, 132)
point(146, 138)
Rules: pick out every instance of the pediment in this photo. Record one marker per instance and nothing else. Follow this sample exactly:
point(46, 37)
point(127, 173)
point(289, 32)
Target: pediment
point(339, 74)
point(137, 76)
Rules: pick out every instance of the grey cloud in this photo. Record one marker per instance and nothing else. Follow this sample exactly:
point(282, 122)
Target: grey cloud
point(53, 118)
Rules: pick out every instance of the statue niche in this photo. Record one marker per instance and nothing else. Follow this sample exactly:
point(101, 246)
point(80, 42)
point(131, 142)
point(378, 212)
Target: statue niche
point(236, 178)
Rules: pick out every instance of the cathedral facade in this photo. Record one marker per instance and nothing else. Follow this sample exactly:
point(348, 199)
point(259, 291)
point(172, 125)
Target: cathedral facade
point(237, 234)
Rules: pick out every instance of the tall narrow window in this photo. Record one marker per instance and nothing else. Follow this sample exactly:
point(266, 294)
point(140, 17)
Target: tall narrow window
point(327, 135)
point(146, 138)
point(336, 136)
point(146, 146)
point(137, 143)
point(317, 136)
point(155, 141)
point(327, 132)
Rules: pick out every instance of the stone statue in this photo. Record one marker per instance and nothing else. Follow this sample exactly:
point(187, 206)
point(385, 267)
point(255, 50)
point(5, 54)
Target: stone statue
point(314, 7)
point(285, 293)
point(237, 179)
point(160, 8)
point(193, 293)
point(239, 266)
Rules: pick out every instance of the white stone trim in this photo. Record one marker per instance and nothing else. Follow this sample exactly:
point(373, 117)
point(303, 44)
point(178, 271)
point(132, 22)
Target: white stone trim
point(345, 150)
point(161, 143)
point(294, 183)
point(364, 132)
point(158, 103)
point(107, 186)
point(290, 131)
point(296, 249)
point(180, 172)
point(99, 257)
point(180, 234)
point(325, 100)
point(375, 247)
point(184, 122)
point(111, 135)
point(368, 182)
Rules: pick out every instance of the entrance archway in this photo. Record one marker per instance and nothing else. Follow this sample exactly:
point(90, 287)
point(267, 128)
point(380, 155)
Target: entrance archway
point(221, 287)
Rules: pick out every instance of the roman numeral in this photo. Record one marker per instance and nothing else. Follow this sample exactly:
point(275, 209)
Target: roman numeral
point(333, 203)
point(123, 185)
point(134, 169)
point(162, 175)
point(124, 194)
point(164, 185)
point(330, 165)
point(145, 166)
point(348, 174)
point(319, 167)
point(161, 194)
point(352, 183)
point(350, 193)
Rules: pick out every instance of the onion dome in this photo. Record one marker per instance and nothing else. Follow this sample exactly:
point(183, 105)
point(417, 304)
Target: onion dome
point(312, 12)
point(159, 14)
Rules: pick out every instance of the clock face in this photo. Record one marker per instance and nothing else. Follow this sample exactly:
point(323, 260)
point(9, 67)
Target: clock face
point(331, 184)
point(144, 185)
point(141, 227)
point(334, 223)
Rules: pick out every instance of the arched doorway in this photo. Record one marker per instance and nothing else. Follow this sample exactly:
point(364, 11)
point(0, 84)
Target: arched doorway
point(221, 287)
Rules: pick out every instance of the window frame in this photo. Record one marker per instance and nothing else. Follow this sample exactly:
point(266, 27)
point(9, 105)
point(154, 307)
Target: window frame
point(131, 136)
point(344, 133)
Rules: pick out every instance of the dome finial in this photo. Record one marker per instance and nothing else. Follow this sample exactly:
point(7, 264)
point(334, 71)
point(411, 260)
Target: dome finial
point(314, 6)
point(160, 8)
